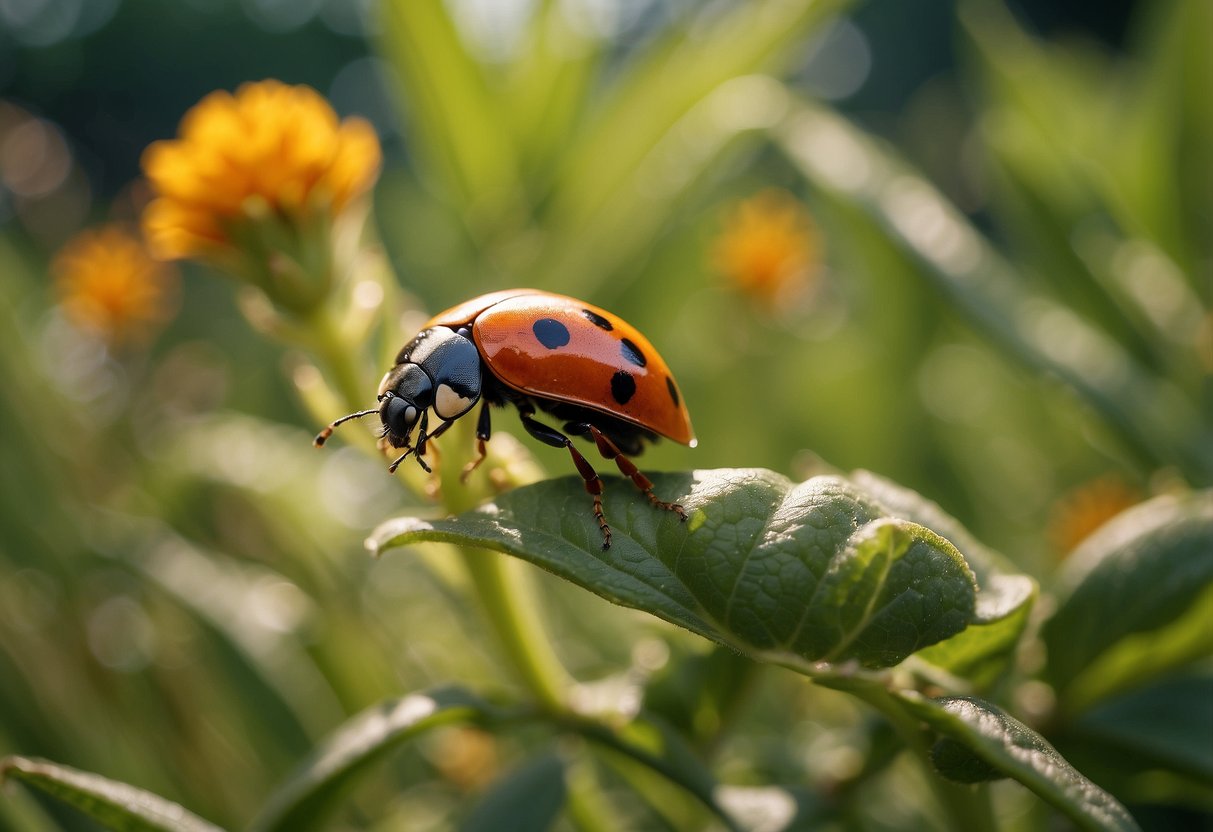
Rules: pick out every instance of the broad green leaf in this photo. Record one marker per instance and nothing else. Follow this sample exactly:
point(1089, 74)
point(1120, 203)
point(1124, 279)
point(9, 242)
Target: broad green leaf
point(309, 795)
point(1140, 573)
point(529, 799)
point(117, 806)
point(1151, 414)
point(1010, 747)
point(809, 572)
point(1168, 724)
point(1004, 599)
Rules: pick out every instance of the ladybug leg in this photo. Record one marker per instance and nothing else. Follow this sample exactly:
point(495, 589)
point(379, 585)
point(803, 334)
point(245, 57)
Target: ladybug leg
point(593, 483)
point(628, 468)
point(484, 430)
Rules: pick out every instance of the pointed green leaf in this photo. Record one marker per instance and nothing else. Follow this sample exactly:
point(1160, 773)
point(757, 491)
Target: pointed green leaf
point(670, 115)
point(448, 104)
point(1145, 570)
point(529, 799)
point(308, 796)
point(1151, 414)
point(815, 571)
point(117, 806)
point(1008, 746)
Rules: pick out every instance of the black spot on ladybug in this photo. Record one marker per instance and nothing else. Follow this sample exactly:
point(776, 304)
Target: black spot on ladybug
point(623, 386)
point(597, 320)
point(669, 385)
point(551, 333)
point(632, 353)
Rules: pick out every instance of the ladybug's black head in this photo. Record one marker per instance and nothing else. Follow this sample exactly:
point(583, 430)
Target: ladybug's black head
point(404, 396)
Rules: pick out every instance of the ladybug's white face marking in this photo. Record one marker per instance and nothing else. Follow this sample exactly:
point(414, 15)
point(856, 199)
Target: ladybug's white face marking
point(448, 404)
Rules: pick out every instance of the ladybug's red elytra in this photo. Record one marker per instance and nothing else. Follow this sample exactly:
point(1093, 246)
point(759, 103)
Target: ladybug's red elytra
point(537, 351)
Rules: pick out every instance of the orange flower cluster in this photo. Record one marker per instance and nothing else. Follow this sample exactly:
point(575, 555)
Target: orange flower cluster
point(270, 148)
point(110, 285)
point(769, 246)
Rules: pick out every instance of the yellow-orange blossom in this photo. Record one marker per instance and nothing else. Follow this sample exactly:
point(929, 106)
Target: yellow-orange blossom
point(109, 285)
point(268, 147)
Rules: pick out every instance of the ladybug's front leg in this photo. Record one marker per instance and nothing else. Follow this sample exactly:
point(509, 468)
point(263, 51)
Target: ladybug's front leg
point(628, 468)
point(593, 483)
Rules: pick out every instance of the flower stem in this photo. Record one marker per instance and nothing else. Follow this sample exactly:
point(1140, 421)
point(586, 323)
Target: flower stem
point(509, 604)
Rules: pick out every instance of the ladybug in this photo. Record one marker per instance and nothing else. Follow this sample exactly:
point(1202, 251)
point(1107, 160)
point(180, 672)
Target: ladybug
point(537, 351)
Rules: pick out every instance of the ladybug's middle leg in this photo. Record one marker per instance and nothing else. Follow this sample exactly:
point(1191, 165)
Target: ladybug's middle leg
point(628, 468)
point(484, 431)
point(593, 483)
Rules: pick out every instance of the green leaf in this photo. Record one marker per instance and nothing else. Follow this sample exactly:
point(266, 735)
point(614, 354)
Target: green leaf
point(448, 103)
point(305, 800)
point(118, 806)
point(1150, 413)
point(528, 799)
point(1010, 747)
point(815, 571)
point(669, 116)
point(1168, 724)
point(1139, 574)
point(983, 650)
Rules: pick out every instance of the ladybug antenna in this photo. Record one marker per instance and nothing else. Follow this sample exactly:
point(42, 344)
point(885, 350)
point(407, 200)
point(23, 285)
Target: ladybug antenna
point(323, 436)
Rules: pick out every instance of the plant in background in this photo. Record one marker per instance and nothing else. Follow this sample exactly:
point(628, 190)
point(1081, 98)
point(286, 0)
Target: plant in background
point(769, 248)
point(110, 286)
point(940, 693)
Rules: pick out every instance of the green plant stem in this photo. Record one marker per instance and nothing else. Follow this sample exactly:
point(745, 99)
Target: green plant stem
point(337, 358)
point(508, 602)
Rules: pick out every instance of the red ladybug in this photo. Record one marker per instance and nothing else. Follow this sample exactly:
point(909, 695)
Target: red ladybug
point(535, 350)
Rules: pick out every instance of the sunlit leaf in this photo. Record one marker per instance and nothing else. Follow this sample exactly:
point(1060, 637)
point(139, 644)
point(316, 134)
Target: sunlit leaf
point(448, 104)
point(1004, 597)
point(306, 799)
point(1008, 746)
point(1151, 414)
point(118, 806)
point(670, 116)
point(1141, 572)
point(815, 571)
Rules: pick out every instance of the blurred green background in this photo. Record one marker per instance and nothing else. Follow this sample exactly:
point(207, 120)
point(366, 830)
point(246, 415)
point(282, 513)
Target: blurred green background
point(184, 601)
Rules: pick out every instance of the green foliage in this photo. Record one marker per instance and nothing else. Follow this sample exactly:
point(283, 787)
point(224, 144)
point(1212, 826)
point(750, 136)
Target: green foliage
point(184, 599)
point(815, 571)
point(118, 806)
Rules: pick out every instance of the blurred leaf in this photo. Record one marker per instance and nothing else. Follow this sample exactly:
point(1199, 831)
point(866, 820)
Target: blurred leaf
point(815, 571)
point(1143, 571)
point(984, 649)
point(657, 747)
point(1150, 414)
point(1007, 745)
point(664, 122)
point(307, 798)
point(548, 86)
point(1168, 724)
point(448, 103)
point(528, 799)
point(118, 806)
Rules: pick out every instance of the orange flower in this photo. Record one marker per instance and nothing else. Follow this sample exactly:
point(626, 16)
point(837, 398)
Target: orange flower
point(769, 245)
point(269, 149)
point(109, 285)
point(1079, 513)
